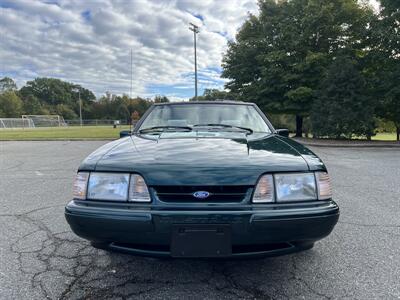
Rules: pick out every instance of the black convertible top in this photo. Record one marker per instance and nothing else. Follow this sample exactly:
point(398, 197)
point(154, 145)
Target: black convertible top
point(206, 102)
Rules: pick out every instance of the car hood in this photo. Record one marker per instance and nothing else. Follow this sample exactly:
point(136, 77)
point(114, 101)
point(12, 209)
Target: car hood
point(202, 160)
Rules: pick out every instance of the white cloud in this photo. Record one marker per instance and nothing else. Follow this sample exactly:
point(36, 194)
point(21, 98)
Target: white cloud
point(89, 42)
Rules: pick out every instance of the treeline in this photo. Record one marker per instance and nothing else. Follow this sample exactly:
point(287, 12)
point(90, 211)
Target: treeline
point(45, 96)
point(335, 64)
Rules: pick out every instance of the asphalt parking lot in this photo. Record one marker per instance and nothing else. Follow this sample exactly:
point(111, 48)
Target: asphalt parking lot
point(40, 257)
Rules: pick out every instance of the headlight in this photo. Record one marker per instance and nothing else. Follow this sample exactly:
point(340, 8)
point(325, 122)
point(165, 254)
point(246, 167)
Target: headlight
point(80, 185)
point(324, 185)
point(111, 186)
point(138, 191)
point(292, 187)
point(295, 187)
point(264, 192)
point(108, 186)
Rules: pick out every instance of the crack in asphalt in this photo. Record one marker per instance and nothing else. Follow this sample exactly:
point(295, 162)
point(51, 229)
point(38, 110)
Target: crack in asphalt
point(89, 273)
point(253, 290)
point(31, 211)
point(18, 164)
point(53, 263)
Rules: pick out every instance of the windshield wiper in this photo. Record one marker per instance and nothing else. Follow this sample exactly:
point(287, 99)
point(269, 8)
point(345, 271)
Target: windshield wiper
point(250, 131)
point(162, 128)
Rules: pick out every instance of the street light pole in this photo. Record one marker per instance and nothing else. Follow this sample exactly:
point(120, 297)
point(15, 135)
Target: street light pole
point(80, 107)
point(195, 30)
point(77, 90)
point(130, 90)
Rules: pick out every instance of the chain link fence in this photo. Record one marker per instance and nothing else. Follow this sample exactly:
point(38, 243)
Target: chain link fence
point(16, 123)
point(95, 122)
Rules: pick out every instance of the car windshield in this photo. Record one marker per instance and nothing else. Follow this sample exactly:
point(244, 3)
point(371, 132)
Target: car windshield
point(210, 116)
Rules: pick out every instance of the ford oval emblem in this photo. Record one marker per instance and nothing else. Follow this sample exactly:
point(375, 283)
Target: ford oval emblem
point(201, 194)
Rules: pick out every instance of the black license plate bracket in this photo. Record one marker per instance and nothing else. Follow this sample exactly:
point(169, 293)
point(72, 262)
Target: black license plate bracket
point(203, 240)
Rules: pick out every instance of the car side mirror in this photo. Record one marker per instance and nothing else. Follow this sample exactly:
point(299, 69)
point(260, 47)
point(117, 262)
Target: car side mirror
point(125, 133)
point(283, 132)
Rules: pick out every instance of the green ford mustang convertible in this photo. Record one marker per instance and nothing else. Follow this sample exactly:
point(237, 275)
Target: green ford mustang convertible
point(203, 179)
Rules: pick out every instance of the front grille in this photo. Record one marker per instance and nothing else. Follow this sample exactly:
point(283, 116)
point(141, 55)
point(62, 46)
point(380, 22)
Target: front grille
point(217, 193)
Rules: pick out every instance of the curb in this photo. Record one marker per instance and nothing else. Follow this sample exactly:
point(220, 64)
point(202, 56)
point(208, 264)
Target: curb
point(334, 144)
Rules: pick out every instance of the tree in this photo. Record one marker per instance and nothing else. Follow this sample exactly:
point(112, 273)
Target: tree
point(160, 99)
point(391, 99)
point(32, 105)
point(54, 96)
point(7, 84)
point(11, 105)
point(122, 112)
point(65, 111)
point(135, 116)
point(139, 104)
point(343, 108)
point(280, 56)
point(52, 91)
point(213, 94)
point(118, 107)
point(384, 62)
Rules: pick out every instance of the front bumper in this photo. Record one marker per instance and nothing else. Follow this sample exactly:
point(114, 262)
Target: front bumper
point(255, 231)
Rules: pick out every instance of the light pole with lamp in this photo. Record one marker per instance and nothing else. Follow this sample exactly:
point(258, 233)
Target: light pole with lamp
point(80, 103)
point(195, 30)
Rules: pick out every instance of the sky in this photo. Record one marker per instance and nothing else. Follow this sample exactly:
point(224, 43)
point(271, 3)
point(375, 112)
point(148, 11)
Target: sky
point(90, 42)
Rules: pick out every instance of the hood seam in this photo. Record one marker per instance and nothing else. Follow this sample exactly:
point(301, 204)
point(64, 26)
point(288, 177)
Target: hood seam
point(283, 141)
point(105, 153)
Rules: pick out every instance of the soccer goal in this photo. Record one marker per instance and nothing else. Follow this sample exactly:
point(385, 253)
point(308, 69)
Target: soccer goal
point(46, 120)
point(16, 123)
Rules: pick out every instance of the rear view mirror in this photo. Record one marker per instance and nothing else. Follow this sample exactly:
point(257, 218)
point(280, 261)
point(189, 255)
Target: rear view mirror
point(125, 133)
point(283, 132)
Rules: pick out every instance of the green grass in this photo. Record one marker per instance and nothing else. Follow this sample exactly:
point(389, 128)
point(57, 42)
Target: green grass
point(391, 137)
point(71, 132)
point(384, 137)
